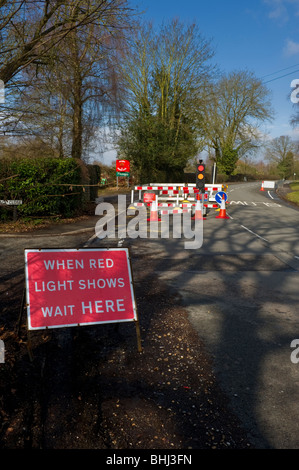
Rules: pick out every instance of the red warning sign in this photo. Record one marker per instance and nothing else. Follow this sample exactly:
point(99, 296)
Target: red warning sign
point(123, 166)
point(69, 287)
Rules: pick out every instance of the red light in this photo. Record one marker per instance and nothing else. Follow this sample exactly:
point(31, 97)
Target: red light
point(200, 168)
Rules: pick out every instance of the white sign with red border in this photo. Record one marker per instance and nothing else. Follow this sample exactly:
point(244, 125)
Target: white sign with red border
point(74, 287)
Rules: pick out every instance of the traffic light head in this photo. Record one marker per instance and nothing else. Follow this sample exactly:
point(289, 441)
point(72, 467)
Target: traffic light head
point(200, 176)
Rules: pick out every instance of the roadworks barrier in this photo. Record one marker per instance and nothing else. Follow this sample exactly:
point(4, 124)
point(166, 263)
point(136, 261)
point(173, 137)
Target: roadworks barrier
point(175, 198)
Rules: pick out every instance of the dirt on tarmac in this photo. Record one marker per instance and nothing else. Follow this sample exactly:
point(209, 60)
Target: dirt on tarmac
point(89, 387)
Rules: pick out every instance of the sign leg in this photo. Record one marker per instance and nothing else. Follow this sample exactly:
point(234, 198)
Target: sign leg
point(139, 347)
point(18, 327)
point(29, 346)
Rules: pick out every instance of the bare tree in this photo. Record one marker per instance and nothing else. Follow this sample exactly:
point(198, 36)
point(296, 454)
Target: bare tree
point(29, 29)
point(237, 104)
point(63, 97)
point(282, 151)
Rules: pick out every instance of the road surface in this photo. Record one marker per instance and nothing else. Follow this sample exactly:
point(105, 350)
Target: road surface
point(241, 292)
point(240, 289)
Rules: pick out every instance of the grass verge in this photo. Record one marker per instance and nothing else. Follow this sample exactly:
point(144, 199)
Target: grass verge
point(293, 196)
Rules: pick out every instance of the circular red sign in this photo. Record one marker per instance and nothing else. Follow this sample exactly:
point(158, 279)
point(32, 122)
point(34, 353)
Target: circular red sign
point(123, 165)
point(149, 197)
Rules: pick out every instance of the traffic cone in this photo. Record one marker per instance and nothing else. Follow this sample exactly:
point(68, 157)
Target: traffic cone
point(222, 213)
point(262, 188)
point(198, 210)
point(154, 212)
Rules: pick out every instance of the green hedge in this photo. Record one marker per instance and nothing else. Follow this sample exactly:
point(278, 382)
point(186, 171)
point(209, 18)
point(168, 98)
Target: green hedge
point(37, 183)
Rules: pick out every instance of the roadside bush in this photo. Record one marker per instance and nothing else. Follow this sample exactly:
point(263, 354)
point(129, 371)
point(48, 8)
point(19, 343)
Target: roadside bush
point(43, 184)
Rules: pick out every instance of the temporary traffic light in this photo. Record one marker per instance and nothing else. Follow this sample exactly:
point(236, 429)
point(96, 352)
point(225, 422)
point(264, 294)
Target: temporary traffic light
point(200, 176)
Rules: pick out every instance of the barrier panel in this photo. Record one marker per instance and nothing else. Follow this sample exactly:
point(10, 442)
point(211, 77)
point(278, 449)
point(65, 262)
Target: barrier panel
point(176, 198)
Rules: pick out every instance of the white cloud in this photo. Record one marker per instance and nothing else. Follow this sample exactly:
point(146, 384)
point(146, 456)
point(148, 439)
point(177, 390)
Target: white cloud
point(291, 48)
point(282, 10)
point(278, 10)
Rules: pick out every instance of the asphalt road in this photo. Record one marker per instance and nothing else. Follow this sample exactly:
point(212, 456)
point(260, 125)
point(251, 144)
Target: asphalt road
point(241, 292)
point(240, 289)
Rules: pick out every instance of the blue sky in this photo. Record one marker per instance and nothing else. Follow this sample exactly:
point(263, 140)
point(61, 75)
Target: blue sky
point(261, 36)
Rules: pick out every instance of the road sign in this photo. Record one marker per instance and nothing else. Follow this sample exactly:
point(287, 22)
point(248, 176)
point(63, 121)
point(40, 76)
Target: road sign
point(124, 173)
point(220, 196)
point(123, 166)
point(149, 197)
point(269, 184)
point(11, 202)
point(68, 287)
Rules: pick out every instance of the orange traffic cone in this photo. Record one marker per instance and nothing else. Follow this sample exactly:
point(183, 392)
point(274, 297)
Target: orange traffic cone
point(222, 213)
point(262, 188)
point(198, 210)
point(154, 212)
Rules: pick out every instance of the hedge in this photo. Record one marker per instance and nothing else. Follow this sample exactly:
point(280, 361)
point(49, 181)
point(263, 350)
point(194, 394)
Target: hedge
point(43, 184)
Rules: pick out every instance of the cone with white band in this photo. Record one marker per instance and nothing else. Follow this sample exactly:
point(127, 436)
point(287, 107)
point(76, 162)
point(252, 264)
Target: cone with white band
point(198, 209)
point(154, 212)
point(222, 213)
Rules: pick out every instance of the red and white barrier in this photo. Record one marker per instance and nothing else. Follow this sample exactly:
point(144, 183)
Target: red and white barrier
point(175, 198)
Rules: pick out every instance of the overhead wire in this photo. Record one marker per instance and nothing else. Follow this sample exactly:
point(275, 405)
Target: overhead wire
point(278, 71)
point(282, 76)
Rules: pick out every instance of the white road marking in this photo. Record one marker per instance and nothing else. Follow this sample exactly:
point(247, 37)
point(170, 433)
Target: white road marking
point(253, 233)
point(270, 195)
point(245, 203)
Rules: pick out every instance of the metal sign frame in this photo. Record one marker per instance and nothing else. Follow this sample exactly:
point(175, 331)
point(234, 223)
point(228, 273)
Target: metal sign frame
point(40, 267)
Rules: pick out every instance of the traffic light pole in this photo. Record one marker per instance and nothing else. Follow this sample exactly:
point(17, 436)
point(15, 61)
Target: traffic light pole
point(214, 174)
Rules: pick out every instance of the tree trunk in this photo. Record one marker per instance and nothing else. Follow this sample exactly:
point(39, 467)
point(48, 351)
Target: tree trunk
point(77, 105)
point(77, 129)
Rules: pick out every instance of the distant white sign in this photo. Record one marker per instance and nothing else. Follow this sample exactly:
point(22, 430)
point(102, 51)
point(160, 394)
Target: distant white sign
point(269, 184)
